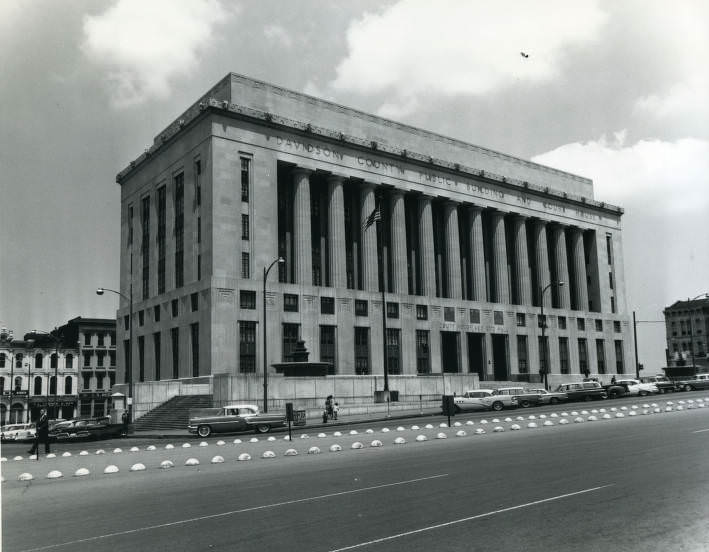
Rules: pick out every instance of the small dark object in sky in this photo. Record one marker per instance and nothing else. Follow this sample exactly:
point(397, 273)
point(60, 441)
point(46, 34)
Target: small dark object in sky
point(524, 55)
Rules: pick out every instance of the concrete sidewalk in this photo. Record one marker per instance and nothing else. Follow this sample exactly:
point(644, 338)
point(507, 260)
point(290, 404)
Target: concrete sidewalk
point(310, 424)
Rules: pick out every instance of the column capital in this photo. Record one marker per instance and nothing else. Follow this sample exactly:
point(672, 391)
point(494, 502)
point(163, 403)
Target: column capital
point(302, 170)
point(335, 177)
point(473, 207)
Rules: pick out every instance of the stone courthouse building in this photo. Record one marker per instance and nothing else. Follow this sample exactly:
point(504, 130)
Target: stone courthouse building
point(471, 242)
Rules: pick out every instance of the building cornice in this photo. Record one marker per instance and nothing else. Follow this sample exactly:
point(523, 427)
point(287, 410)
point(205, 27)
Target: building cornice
point(224, 107)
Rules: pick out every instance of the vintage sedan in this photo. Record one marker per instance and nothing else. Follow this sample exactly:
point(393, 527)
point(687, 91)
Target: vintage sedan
point(483, 399)
point(549, 397)
point(700, 381)
point(18, 432)
point(233, 418)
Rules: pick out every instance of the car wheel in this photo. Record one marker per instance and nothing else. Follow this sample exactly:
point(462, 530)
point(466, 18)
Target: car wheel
point(613, 394)
point(588, 398)
point(643, 393)
point(204, 431)
point(525, 404)
point(263, 428)
point(497, 406)
point(553, 400)
point(687, 387)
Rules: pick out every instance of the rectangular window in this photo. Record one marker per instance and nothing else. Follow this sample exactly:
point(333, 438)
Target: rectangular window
point(156, 354)
point(423, 357)
point(194, 302)
point(141, 358)
point(291, 333)
point(393, 350)
point(610, 279)
point(544, 364)
point(392, 310)
point(245, 169)
point(542, 321)
point(247, 347)
point(599, 325)
point(361, 307)
point(421, 312)
point(616, 326)
point(179, 229)
point(126, 322)
point(475, 316)
point(361, 351)
point(194, 342)
point(162, 209)
point(199, 229)
point(111, 359)
point(175, 338)
point(174, 304)
point(522, 360)
point(609, 248)
point(101, 338)
point(156, 313)
point(99, 358)
point(87, 359)
point(245, 266)
point(244, 227)
point(601, 356)
point(448, 314)
point(87, 339)
point(564, 355)
point(328, 348)
point(141, 317)
point(198, 182)
point(327, 305)
point(583, 357)
point(561, 322)
point(498, 318)
point(619, 364)
point(247, 299)
point(581, 324)
point(130, 225)
point(613, 305)
point(521, 322)
point(145, 243)
point(290, 302)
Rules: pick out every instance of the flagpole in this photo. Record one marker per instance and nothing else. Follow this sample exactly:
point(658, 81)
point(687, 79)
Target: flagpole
point(380, 246)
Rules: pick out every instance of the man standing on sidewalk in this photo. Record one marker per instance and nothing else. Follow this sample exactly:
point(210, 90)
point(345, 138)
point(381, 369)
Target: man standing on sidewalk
point(42, 434)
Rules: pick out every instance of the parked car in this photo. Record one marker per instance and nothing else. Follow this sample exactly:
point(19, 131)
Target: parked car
point(636, 387)
point(231, 419)
point(18, 432)
point(663, 383)
point(549, 397)
point(583, 391)
point(475, 399)
point(525, 398)
point(700, 381)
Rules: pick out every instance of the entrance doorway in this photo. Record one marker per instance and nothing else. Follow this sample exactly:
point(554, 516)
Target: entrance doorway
point(450, 352)
point(476, 354)
point(499, 357)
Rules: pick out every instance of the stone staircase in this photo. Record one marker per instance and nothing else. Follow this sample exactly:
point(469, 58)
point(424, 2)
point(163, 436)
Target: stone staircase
point(174, 413)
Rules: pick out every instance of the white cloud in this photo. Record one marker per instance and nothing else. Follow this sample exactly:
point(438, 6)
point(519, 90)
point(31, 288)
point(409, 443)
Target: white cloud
point(658, 176)
point(276, 33)
point(454, 47)
point(144, 46)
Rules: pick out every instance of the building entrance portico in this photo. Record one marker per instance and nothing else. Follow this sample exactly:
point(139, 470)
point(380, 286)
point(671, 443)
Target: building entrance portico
point(499, 357)
point(476, 354)
point(450, 352)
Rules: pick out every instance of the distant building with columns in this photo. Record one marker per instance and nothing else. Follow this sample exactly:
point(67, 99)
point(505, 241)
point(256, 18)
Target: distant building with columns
point(469, 239)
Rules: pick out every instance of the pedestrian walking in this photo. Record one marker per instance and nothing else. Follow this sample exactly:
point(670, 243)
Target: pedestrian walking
point(42, 434)
point(124, 419)
point(328, 406)
point(335, 410)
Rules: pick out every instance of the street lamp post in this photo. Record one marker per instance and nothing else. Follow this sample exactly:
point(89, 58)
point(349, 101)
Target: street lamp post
point(53, 413)
point(29, 388)
point(129, 363)
point(265, 343)
point(544, 325)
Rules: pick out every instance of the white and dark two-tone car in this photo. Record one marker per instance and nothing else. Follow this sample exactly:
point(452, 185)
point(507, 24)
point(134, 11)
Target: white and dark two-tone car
point(483, 399)
point(233, 418)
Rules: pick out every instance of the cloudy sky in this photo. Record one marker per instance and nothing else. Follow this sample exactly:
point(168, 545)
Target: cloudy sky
point(616, 91)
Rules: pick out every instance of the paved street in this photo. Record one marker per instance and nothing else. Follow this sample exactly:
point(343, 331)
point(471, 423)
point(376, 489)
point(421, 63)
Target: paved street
point(631, 483)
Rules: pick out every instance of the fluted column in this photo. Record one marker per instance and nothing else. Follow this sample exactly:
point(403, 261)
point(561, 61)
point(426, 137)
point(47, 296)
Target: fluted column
point(399, 264)
point(523, 280)
point(336, 232)
point(453, 275)
point(427, 251)
point(499, 258)
point(542, 257)
point(579, 260)
point(477, 255)
point(562, 266)
point(370, 270)
point(301, 227)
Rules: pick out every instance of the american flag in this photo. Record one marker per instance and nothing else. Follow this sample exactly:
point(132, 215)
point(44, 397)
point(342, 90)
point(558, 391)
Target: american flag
point(373, 217)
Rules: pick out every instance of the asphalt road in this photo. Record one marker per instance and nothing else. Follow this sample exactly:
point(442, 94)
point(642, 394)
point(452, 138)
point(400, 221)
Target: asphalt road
point(631, 483)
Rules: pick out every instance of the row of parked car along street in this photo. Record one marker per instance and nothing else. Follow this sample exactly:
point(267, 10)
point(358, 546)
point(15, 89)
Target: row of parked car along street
point(587, 390)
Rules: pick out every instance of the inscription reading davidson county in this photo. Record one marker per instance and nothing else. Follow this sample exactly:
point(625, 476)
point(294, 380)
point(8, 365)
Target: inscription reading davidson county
point(315, 149)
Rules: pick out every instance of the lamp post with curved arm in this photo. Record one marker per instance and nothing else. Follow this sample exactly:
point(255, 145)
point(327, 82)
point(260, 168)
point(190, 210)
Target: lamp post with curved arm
point(544, 325)
point(265, 344)
point(129, 363)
